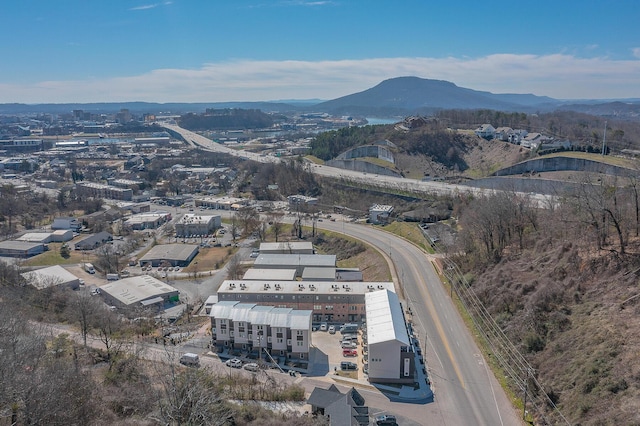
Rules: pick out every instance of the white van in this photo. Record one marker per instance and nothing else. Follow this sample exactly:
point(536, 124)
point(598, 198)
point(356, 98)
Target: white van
point(190, 359)
point(113, 277)
point(89, 268)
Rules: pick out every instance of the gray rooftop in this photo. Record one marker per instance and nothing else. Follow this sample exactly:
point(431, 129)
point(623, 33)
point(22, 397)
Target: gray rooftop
point(320, 260)
point(136, 289)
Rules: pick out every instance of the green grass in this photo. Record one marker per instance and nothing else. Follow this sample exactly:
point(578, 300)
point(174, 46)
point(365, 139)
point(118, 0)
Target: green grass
point(409, 231)
point(52, 257)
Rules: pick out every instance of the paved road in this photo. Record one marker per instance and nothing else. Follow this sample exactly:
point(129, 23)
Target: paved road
point(466, 391)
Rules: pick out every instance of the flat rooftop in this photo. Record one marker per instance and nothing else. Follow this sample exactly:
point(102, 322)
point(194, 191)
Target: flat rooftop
point(298, 287)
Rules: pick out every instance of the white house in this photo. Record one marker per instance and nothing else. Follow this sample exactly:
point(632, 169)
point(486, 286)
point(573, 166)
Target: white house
point(486, 131)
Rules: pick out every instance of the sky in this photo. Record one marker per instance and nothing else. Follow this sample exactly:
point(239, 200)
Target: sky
point(62, 51)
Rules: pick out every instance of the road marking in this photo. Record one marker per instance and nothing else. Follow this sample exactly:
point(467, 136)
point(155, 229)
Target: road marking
point(438, 324)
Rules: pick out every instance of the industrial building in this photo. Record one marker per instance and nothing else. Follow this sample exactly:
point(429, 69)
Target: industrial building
point(249, 327)
point(197, 224)
point(287, 247)
point(93, 241)
point(52, 276)
point(139, 291)
point(173, 254)
point(255, 274)
point(391, 356)
point(295, 261)
point(66, 223)
point(220, 203)
point(149, 220)
point(21, 249)
point(330, 302)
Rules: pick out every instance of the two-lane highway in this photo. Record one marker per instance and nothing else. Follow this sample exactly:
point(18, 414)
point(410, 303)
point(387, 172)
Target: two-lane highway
point(466, 391)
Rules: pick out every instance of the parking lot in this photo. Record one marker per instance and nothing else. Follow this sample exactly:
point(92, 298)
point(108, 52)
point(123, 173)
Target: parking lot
point(329, 354)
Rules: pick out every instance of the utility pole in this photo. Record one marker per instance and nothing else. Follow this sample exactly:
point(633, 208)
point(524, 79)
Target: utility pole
point(526, 389)
point(604, 139)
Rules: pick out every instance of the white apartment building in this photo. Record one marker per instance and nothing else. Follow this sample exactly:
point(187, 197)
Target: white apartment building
point(250, 327)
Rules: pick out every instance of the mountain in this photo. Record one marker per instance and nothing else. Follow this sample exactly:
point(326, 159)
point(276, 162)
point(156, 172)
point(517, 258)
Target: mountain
point(411, 95)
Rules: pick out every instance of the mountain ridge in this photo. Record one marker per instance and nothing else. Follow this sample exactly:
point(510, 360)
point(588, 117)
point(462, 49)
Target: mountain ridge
point(399, 96)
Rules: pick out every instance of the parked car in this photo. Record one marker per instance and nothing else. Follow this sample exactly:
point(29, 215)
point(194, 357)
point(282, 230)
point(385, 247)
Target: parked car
point(348, 345)
point(345, 365)
point(252, 366)
point(349, 352)
point(323, 326)
point(254, 254)
point(234, 363)
point(332, 329)
point(190, 359)
point(386, 419)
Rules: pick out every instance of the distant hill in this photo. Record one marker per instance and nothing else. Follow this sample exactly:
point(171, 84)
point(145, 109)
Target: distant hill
point(413, 95)
point(395, 97)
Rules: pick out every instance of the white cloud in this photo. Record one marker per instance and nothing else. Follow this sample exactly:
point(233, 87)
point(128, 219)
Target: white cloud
point(558, 76)
point(636, 52)
point(144, 7)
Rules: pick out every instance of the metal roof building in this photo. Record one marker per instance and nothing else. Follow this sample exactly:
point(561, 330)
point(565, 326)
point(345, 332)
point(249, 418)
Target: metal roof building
point(144, 290)
point(52, 276)
point(256, 274)
point(295, 261)
point(319, 274)
point(174, 254)
point(287, 247)
point(391, 358)
point(36, 237)
point(21, 248)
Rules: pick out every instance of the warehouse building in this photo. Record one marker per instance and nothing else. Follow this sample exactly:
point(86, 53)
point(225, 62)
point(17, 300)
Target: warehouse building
point(249, 327)
point(391, 357)
point(150, 220)
point(330, 302)
point(36, 237)
point(21, 249)
point(94, 241)
point(173, 254)
point(295, 261)
point(50, 277)
point(140, 291)
point(287, 247)
point(195, 224)
point(255, 274)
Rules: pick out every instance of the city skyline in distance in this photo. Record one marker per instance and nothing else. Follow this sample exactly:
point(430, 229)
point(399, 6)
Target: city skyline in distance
point(185, 51)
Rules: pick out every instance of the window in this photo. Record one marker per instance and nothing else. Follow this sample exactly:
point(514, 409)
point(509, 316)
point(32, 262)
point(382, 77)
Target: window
point(279, 335)
point(300, 333)
point(279, 340)
point(300, 338)
point(329, 307)
point(299, 343)
point(317, 307)
point(241, 327)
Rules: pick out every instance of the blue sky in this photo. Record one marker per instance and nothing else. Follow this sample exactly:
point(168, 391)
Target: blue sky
point(250, 50)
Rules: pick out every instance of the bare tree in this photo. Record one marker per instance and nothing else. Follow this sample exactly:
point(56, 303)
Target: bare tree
point(190, 397)
point(234, 267)
point(249, 219)
point(83, 308)
point(275, 220)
